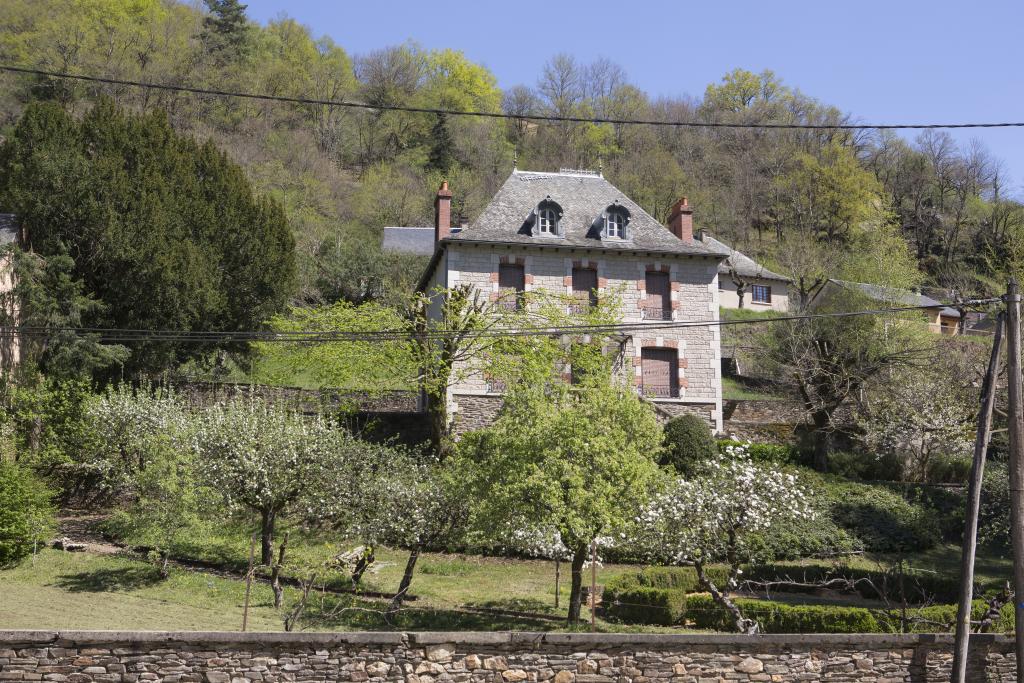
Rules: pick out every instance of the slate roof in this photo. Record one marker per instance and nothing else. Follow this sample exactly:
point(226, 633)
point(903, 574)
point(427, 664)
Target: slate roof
point(413, 240)
point(583, 198)
point(901, 297)
point(8, 228)
point(744, 265)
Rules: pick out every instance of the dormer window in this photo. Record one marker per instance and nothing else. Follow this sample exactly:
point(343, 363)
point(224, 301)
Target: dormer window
point(616, 220)
point(616, 225)
point(547, 222)
point(546, 219)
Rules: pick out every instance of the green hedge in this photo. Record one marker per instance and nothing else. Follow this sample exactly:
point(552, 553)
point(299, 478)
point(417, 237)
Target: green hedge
point(917, 587)
point(777, 617)
point(646, 605)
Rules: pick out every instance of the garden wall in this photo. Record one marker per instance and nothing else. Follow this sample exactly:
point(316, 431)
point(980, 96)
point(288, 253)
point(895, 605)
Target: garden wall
point(501, 657)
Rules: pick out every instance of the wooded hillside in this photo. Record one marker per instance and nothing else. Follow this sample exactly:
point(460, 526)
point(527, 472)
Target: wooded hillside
point(341, 174)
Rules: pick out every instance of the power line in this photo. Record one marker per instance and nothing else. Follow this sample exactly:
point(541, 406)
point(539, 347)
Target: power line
point(494, 115)
point(116, 335)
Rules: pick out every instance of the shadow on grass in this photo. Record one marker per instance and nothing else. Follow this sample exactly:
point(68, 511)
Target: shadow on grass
point(525, 607)
point(371, 615)
point(107, 580)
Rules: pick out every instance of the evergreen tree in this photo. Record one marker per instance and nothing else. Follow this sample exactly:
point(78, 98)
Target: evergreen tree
point(225, 28)
point(163, 231)
point(441, 148)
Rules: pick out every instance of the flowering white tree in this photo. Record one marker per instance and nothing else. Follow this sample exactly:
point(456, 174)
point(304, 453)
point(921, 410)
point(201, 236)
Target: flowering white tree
point(270, 460)
point(135, 427)
point(712, 517)
point(411, 501)
point(918, 416)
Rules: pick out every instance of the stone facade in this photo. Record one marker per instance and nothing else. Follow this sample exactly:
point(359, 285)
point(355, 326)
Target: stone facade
point(694, 296)
point(500, 657)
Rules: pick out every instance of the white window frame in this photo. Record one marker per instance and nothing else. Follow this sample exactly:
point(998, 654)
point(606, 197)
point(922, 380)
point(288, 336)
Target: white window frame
point(547, 222)
point(615, 225)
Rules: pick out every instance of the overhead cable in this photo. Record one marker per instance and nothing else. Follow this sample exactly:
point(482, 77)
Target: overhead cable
point(488, 114)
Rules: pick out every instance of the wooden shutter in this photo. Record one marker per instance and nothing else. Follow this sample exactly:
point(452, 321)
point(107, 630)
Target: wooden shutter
point(512, 277)
point(584, 284)
point(659, 372)
point(658, 291)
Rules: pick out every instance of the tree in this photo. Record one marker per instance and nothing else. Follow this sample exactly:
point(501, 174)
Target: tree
point(225, 28)
point(829, 360)
point(574, 457)
point(715, 514)
point(51, 305)
point(441, 146)
point(26, 513)
point(267, 460)
point(164, 232)
point(449, 331)
point(371, 365)
point(920, 414)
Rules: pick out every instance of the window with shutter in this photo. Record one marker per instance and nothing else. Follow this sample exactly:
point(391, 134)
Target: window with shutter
point(659, 372)
point(659, 297)
point(584, 288)
point(511, 285)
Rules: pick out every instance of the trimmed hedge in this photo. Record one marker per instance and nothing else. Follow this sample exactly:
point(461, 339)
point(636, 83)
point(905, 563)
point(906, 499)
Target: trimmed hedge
point(646, 605)
point(777, 617)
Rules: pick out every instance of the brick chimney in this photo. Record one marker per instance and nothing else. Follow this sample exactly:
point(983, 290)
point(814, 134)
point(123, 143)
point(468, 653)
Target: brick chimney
point(443, 213)
point(680, 220)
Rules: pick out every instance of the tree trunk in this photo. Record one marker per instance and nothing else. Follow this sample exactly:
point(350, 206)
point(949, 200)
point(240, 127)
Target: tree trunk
point(822, 440)
point(743, 625)
point(403, 587)
point(275, 574)
point(362, 565)
point(268, 517)
point(579, 556)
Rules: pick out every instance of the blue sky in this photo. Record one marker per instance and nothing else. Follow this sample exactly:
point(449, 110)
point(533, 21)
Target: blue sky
point(892, 61)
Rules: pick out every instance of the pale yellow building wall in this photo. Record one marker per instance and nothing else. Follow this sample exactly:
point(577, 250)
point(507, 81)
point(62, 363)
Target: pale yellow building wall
point(730, 299)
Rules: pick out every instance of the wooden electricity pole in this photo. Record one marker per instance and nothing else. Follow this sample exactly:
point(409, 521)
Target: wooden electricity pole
point(593, 585)
point(970, 539)
point(1016, 428)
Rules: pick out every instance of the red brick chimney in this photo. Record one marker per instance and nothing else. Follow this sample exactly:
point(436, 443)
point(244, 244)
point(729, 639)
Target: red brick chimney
point(680, 220)
point(443, 213)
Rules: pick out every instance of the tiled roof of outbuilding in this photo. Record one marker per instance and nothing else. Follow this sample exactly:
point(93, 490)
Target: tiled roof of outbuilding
point(744, 265)
point(583, 198)
point(415, 240)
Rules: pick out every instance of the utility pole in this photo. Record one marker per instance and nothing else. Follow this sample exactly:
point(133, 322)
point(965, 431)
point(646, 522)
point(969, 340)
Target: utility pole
point(593, 585)
point(1016, 428)
point(970, 538)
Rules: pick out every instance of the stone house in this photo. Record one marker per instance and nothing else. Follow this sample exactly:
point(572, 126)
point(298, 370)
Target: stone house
point(941, 319)
point(763, 290)
point(576, 234)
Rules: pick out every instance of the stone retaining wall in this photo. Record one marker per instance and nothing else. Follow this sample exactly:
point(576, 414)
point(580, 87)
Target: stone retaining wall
point(500, 657)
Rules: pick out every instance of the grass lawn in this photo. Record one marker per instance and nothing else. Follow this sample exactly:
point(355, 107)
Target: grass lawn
point(738, 391)
point(85, 591)
point(89, 591)
point(453, 592)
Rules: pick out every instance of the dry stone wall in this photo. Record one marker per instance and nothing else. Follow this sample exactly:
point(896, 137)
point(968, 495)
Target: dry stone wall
point(501, 657)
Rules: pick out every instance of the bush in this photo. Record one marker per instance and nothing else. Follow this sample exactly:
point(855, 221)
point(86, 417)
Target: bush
point(777, 617)
point(646, 605)
point(26, 514)
point(883, 521)
point(768, 453)
point(688, 442)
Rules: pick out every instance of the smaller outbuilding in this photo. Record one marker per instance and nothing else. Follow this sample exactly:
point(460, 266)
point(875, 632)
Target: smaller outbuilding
point(745, 283)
